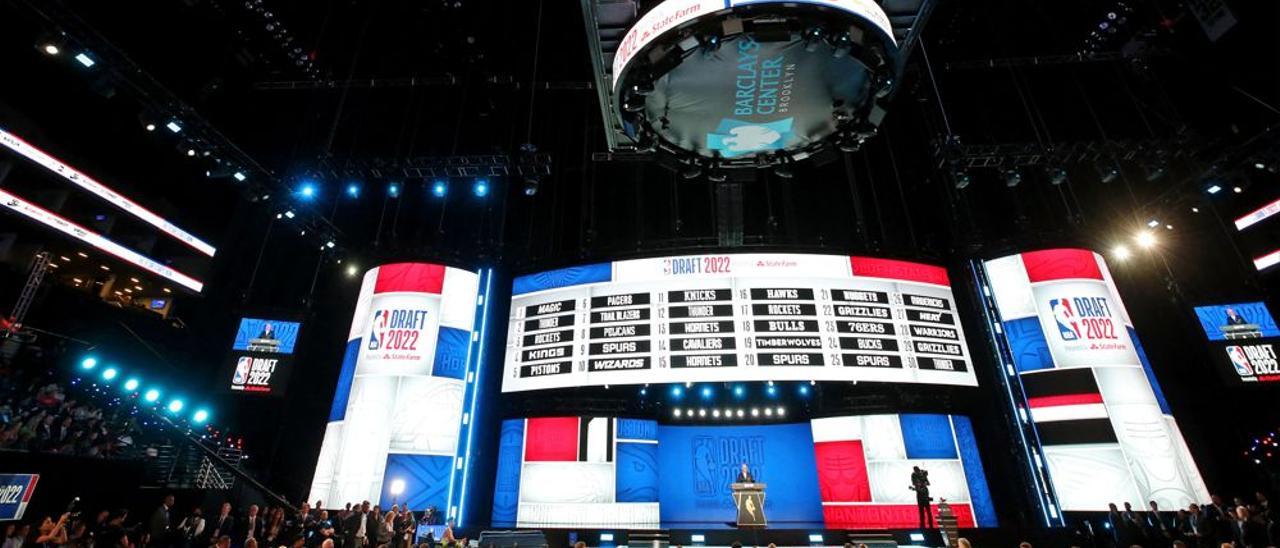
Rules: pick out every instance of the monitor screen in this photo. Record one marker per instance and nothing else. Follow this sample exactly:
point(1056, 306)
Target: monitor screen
point(260, 335)
point(261, 357)
point(1249, 320)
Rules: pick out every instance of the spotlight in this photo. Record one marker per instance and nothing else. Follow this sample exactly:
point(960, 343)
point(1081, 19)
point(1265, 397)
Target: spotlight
point(1106, 174)
point(771, 390)
point(702, 412)
point(1057, 176)
point(353, 190)
point(480, 188)
point(1237, 189)
point(1195, 210)
point(755, 411)
point(768, 411)
point(710, 43)
point(677, 391)
point(1256, 165)
point(51, 49)
point(1153, 223)
point(741, 413)
point(1012, 177)
point(676, 412)
point(439, 188)
point(1146, 239)
point(151, 395)
point(393, 190)
point(329, 244)
point(352, 271)
point(88, 363)
point(290, 214)
point(149, 127)
point(781, 411)
point(804, 390)
point(715, 413)
point(239, 176)
point(1155, 171)
point(1120, 252)
point(131, 385)
point(85, 59)
point(173, 126)
point(307, 190)
point(706, 392)
point(175, 405)
point(109, 373)
point(739, 391)
point(531, 186)
point(191, 152)
point(691, 171)
point(200, 416)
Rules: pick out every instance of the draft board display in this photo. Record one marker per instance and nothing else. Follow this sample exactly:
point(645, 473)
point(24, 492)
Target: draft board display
point(850, 472)
point(397, 414)
point(261, 358)
point(1104, 428)
point(711, 318)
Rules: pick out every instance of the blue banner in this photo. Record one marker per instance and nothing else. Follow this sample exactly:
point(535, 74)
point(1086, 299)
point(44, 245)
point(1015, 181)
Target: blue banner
point(15, 493)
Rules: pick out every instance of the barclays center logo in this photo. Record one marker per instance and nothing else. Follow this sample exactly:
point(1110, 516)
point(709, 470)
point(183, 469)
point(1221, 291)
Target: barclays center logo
point(737, 138)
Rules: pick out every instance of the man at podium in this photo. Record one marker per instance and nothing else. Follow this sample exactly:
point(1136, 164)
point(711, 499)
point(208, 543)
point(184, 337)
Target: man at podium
point(748, 497)
point(744, 475)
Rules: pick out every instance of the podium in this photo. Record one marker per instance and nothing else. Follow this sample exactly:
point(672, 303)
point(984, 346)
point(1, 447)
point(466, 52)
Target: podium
point(264, 345)
point(1242, 331)
point(748, 498)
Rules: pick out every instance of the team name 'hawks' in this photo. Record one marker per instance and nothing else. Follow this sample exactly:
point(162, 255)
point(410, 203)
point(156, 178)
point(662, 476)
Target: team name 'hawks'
point(396, 329)
point(1083, 319)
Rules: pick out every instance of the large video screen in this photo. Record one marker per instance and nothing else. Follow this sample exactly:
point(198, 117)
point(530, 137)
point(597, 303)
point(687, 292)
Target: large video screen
point(261, 357)
point(850, 472)
point(1103, 426)
point(712, 318)
point(1249, 320)
point(397, 420)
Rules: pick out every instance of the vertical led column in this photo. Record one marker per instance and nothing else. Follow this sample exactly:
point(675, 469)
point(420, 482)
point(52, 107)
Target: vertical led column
point(1083, 382)
point(393, 432)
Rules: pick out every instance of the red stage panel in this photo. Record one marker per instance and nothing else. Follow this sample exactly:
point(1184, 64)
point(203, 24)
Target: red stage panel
point(899, 270)
point(842, 471)
point(417, 277)
point(551, 439)
point(886, 516)
point(1064, 399)
point(1061, 264)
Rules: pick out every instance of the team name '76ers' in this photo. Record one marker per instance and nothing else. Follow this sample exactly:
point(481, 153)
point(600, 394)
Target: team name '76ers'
point(1083, 318)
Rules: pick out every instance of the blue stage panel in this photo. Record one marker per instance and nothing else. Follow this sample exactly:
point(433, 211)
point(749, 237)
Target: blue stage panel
point(451, 353)
point(927, 436)
point(506, 483)
point(637, 472)
point(698, 464)
point(1027, 344)
point(425, 477)
point(984, 512)
point(338, 410)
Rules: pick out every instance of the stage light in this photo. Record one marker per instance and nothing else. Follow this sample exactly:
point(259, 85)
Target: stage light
point(85, 60)
point(290, 214)
point(352, 271)
point(741, 413)
point(175, 405)
point(439, 188)
point(697, 538)
point(52, 49)
point(151, 395)
point(677, 391)
point(353, 190)
point(174, 126)
point(1106, 174)
point(771, 390)
point(393, 190)
point(397, 487)
point(1057, 176)
point(1012, 177)
point(755, 411)
point(109, 373)
point(706, 392)
point(1237, 189)
point(1259, 165)
point(480, 188)
point(715, 413)
point(781, 411)
point(191, 152)
point(1153, 223)
point(676, 412)
point(307, 190)
point(1195, 210)
point(88, 363)
point(812, 382)
point(1168, 227)
point(239, 176)
point(606, 537)
point(739, 391)
point(1214, 189)
point(768, 411)
point(804, 390)
point(131, 385)
point(200, 416)
point(644, 391)
point(149, 127)
point(1120, 252)
point(702, 412)
point(917, 537)
point(531, 185)
point(962, 179)
point(817, 538)
point(1146, 239)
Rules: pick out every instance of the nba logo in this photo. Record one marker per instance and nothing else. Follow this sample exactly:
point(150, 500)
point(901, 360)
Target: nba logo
point(242, 370)
point(1240, 360)
point(379, 321)
point(704, 466)
point(1066, 318)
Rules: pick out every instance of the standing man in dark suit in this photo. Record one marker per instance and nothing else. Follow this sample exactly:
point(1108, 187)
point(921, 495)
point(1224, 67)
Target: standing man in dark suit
point(920, 484)
point(160, 526)
point(251, 527)
point(360, 527)
point(222, 524)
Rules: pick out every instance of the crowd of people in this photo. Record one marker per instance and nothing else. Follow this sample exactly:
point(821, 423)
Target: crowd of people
point(1241, 524)
point(37, 414)
point(354, 526)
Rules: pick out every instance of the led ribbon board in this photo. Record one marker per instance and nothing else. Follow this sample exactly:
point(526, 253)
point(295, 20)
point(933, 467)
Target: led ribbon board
point(741, 317)
point(1258, 215)
point(26, 150)
point(97, 241)
point(1103, 426)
